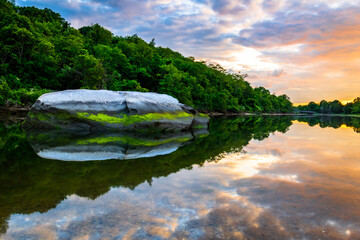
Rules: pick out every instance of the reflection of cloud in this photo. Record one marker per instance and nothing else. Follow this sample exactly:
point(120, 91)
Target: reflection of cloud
point(235, 218)
point(286, 187)
point(245, 166)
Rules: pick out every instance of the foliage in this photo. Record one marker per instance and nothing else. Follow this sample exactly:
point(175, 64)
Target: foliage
point(18, 96)
point(40, 50)
point(334, 107)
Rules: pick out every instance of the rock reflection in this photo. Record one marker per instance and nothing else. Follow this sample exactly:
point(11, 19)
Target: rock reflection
point(87, 146)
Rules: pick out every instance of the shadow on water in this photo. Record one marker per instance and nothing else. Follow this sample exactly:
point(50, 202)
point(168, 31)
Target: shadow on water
point(29, 183)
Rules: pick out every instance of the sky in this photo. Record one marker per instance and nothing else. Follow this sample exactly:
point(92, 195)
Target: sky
point(307, 49)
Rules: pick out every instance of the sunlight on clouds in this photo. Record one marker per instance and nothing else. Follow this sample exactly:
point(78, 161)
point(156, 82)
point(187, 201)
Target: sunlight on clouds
point(335, 3)
point(247, 59)
point(186, 7)
point(334, 74)
point(286, 49)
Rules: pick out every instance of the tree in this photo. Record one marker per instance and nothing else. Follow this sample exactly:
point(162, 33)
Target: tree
point(356, 106)
point(312, 106)
point(96, 34)
point(324, 107)
point(90, 71)
point(336, 106)
point(348, 108)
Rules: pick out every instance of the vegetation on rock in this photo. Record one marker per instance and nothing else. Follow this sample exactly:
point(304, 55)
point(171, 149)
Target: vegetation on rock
point(127, 120)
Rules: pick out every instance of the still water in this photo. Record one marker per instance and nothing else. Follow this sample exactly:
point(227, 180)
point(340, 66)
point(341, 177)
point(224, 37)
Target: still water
point(247, 178)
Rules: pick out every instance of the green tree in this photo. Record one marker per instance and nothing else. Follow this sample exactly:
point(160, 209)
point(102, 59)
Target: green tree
point(356, 106)
point(324, 107)
point(336, 107)
point(90, 71)
point(96, 34)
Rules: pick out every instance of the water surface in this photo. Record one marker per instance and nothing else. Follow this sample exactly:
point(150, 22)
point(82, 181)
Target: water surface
point(248, 178)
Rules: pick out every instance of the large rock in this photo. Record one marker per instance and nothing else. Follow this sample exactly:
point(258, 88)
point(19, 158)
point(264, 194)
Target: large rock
point(123, 111)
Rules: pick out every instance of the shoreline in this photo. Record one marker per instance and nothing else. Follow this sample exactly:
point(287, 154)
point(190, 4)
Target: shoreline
point(22, 111)
point(11, 110)
point(231, 114)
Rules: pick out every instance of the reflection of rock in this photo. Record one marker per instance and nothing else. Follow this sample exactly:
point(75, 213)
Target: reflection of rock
point(74, 146)
point(102, 109)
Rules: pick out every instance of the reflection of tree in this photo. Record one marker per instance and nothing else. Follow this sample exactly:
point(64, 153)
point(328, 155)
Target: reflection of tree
point(331, 121)
point(29, 183)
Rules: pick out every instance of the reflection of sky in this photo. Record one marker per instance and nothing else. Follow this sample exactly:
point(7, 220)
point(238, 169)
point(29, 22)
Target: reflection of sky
point(302, 184)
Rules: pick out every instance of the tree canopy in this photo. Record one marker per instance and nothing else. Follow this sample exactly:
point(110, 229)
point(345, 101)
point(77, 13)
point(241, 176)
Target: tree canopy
point(40, 50)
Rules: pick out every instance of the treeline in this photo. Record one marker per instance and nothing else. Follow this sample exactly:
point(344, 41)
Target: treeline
point(40, 50)
point(331, 121)
point(332, 107)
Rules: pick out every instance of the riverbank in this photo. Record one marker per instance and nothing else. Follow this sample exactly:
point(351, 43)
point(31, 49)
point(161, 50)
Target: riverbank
point(331, 115)
point(230, 114)
point(23, 110)
point(14, 110)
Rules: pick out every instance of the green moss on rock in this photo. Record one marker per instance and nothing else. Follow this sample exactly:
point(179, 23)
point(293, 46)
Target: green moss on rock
point(204, 115)
point(132, 141)
point(127, 120)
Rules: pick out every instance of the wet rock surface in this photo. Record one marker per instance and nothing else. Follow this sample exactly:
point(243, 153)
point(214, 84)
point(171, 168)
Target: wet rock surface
point(103, 110)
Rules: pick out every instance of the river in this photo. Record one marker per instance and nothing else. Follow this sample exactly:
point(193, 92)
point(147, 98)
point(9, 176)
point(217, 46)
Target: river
point(246, 178)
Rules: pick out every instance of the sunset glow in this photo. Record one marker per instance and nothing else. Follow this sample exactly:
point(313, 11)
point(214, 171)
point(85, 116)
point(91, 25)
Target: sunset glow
point(308, 50)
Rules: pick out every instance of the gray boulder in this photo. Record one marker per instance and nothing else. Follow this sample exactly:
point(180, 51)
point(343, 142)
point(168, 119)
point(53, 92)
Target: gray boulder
point(123, 111)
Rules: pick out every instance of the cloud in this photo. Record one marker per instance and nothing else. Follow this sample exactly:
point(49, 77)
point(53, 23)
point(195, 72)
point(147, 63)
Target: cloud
point(294, 27)
point(307, 40)
point(229, 7)
point(277, 73)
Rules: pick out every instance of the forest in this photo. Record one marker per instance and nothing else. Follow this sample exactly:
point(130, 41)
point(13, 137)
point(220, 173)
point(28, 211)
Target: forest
point(40, 52)
point(332, 107)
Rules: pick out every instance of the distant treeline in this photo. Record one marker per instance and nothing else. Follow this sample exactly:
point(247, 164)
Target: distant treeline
point(332, 107)
point(331, 121)
point(39, 50)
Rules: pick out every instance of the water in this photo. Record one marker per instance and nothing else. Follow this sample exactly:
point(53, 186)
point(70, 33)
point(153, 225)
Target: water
point(247, 178)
